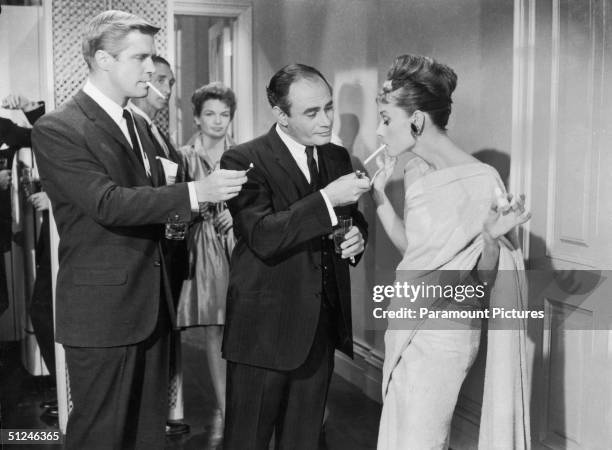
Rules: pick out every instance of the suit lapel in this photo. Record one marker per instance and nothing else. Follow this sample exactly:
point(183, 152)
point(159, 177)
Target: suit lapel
point(285, 160)
point(103, 121)
point(326, 166)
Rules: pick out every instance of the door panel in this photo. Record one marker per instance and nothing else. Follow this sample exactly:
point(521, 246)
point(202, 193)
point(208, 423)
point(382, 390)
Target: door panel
point(571, 231)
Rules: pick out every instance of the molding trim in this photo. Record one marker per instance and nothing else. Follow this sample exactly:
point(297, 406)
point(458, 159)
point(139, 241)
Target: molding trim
point(46, 44)
point(554, 123)
point(195, 7)
point(364, 371)
point(522, 104)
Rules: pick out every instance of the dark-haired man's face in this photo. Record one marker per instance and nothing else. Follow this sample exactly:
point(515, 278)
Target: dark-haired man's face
point(163, 80)
point(311, 112)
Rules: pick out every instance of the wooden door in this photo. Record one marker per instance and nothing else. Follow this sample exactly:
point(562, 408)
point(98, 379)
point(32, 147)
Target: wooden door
point(565, 166)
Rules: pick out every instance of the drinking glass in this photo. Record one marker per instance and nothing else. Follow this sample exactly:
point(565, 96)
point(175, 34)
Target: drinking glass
point(175, 228)
point(344, 225)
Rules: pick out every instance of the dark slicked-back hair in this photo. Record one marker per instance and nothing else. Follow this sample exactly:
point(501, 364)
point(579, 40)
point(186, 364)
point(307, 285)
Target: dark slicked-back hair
point(213, 91)
point(278, 88)
point(417, 82)
point(107, 30)
point(159, 60)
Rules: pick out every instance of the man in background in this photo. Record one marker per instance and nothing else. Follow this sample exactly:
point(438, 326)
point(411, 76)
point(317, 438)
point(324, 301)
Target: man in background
point(175, 251)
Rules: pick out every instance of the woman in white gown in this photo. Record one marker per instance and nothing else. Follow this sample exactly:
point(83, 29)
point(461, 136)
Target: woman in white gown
point(456, 214)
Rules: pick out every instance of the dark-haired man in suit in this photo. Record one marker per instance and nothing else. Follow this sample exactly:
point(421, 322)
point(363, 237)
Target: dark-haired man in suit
point(114, 307)
point(176, 250)
point(289, 303)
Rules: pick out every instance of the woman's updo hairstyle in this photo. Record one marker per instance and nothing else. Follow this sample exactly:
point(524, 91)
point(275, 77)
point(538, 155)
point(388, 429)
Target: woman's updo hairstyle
point(420, 83)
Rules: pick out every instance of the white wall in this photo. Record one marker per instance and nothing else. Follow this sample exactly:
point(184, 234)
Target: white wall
point(20, 51)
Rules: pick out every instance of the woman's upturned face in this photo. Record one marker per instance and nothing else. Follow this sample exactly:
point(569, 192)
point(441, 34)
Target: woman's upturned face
point(394, 129)
point(214, 119)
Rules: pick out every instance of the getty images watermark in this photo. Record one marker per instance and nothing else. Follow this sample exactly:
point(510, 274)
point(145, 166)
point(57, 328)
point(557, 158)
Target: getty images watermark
point(435, 297)
point(444, 299)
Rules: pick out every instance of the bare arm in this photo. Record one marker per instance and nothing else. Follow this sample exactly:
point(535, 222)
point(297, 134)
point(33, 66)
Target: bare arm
point(392, 223)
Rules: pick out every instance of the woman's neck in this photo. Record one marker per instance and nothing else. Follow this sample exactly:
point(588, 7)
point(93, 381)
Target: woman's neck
point(440, 151)
point(213, 147)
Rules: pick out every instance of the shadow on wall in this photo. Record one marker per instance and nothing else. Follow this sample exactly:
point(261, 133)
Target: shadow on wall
point(381, 257)
point(497, 159)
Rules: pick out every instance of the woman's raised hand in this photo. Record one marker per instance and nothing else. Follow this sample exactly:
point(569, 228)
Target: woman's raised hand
point(506, 212)
point(386, 164)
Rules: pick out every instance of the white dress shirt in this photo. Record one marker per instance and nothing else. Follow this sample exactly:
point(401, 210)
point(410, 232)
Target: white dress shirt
point(193, 198)
point(298, 151)
point(115, 111)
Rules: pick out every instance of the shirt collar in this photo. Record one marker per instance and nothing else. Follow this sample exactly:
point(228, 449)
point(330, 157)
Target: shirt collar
point(114, 110)
point(296, 149)
point(140, 112)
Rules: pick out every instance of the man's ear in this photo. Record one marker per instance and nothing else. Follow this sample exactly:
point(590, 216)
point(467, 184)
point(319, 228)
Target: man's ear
point(281, 116)
point(103, 59)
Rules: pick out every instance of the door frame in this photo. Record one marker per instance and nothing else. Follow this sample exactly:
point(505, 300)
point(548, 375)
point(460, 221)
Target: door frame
point(242, 71)
point(523, 94)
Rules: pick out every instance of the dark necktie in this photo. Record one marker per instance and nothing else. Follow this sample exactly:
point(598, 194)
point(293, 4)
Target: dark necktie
point(312, 168)
point(129, 120)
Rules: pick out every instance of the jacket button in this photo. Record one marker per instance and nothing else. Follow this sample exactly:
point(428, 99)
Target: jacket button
point(156, 263)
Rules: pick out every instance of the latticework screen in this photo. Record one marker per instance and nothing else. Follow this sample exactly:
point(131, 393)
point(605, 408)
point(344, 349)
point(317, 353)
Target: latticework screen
point(69, 18)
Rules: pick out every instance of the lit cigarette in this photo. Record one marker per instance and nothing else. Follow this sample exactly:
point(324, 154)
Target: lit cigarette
point(251, 165)
point(378, 150)
point(155, 90)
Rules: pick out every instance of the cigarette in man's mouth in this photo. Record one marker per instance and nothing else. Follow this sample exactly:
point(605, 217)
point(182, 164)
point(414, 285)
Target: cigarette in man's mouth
point(157, 91)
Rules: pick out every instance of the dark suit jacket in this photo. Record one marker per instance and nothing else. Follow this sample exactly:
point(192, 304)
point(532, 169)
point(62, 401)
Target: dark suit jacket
point(175, 252)
point(274, 295)
point(109, 216)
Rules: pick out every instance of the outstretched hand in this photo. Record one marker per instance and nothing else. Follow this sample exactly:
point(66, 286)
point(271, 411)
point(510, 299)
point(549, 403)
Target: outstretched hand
point(220, 185)
point(506, 212)
point(347, 189)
